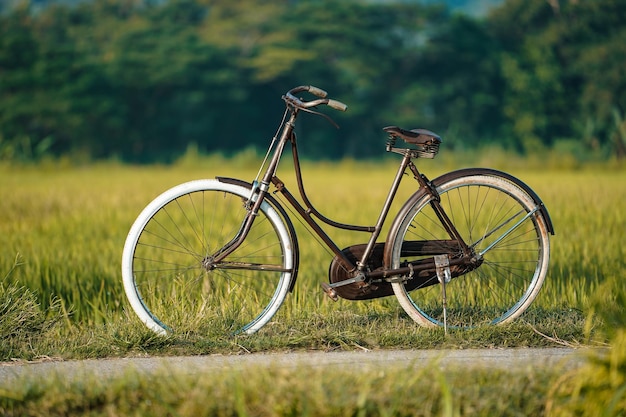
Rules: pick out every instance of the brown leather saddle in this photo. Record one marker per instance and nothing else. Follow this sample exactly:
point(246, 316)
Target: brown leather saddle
point(414, 136)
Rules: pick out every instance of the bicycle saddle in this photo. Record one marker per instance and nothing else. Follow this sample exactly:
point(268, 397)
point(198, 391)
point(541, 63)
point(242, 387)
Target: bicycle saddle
point(414, 136)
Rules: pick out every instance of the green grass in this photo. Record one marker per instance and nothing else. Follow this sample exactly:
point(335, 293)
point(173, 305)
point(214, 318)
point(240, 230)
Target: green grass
point(62, 230)
point(68, 227)
point(274, 391)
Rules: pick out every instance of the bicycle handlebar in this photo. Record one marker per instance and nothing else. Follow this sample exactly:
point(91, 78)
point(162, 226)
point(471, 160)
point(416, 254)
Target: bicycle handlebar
point(318, 92)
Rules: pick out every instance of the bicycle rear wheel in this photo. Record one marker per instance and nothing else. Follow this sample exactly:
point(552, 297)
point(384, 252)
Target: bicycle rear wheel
point(169, 282)
point(498, 220)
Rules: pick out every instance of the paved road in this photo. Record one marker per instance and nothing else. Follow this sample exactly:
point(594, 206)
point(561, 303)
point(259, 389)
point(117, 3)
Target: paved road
point(363, 360)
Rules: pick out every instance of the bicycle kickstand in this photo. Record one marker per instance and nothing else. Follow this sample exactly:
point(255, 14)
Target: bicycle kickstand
point(442, 266)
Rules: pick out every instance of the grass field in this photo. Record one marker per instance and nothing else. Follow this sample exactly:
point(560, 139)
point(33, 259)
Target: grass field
point(65, 229)
point(62, 230)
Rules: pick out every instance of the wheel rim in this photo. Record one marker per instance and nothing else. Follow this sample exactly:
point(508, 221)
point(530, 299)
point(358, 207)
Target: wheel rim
point(175, 289)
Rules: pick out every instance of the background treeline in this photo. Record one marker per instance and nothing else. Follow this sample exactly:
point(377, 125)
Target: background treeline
point(141, 80)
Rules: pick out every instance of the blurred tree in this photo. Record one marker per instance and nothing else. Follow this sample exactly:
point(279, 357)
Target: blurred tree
point(366, 55)
point(18, 59)
point(353, 49)
point(142, 79)
point(166, 80)
point(456, 84)
point(535, 98)
point(563, 63)
point(595, 50)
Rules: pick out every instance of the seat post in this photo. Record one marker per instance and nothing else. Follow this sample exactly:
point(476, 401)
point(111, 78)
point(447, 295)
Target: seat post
point(406, 160)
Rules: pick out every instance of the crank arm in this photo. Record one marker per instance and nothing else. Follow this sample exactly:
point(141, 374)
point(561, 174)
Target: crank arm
point(358, 278)
point(329, 288)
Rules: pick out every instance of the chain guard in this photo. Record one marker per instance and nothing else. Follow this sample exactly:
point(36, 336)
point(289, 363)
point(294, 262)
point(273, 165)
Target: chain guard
point(359, 290)
point(425, 278)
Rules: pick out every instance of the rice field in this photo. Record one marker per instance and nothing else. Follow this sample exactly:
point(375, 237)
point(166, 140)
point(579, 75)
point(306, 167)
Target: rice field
point(62, 230)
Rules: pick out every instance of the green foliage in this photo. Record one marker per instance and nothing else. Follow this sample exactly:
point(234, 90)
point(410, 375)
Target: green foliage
point(562, 64)
point(143, 79)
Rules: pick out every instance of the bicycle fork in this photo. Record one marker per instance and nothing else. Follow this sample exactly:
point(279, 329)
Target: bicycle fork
point(210, 262)
point(257, 195)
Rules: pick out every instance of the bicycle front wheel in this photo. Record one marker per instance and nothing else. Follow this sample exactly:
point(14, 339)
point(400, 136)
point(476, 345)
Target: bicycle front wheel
point(171, 286)
point(503, 227)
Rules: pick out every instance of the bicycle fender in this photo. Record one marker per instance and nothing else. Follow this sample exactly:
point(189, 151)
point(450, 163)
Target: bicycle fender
point(421, 193)
point(283, 213)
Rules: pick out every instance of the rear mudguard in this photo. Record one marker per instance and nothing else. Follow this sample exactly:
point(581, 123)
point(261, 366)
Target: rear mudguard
point(453, 175)
point(292, 232)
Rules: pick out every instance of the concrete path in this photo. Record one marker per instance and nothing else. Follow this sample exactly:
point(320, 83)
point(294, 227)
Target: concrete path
point(518, 359)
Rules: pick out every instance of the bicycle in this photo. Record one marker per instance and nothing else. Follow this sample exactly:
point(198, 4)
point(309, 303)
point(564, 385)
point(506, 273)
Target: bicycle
point(468, 248)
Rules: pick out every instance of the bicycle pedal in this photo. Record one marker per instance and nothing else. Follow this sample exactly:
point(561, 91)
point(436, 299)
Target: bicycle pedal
point(330, 291)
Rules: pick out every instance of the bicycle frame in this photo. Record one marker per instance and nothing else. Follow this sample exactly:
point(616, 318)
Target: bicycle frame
point(307, 212)
point(448, 228)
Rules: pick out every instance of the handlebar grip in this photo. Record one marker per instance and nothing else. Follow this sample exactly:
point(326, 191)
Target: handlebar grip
point(317, 92)
point(337, 105)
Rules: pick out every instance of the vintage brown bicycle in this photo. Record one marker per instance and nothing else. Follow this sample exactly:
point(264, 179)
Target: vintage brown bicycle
point(468, 248)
